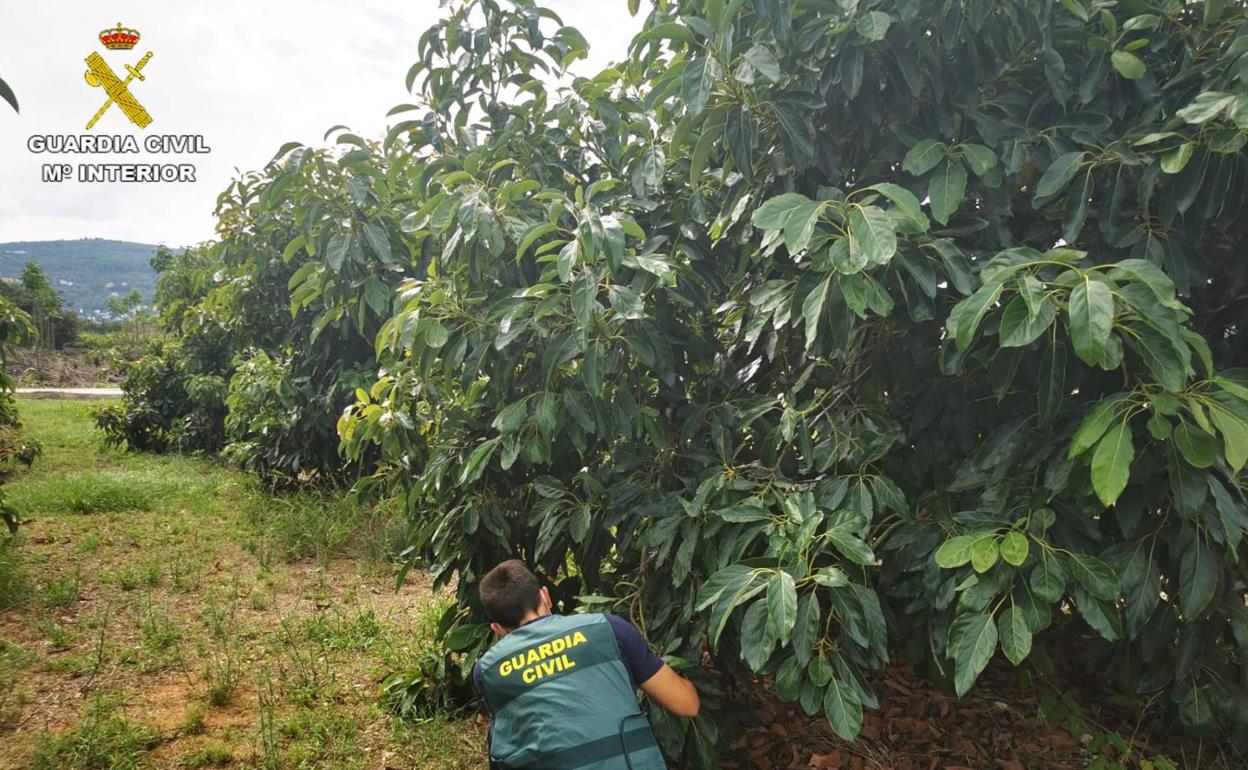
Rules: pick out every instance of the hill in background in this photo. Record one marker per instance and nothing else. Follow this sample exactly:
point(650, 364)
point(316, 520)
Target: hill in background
point(86, 271)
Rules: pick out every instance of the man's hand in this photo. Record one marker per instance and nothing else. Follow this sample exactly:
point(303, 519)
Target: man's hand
point(673, 692)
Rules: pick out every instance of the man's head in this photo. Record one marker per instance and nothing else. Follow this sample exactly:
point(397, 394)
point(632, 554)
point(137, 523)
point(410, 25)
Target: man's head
point(512, 595)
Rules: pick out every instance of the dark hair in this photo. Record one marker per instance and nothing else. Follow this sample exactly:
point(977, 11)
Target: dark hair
point(509, 592)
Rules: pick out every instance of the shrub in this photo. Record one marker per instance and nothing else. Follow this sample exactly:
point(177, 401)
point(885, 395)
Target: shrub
point(167, 406)
point(267, 335)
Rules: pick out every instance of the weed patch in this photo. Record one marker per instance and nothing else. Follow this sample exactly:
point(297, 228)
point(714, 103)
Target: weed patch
point(62, 593)
point(105, 738)
point(208, 756)
point(92, 491)
point(14, 587)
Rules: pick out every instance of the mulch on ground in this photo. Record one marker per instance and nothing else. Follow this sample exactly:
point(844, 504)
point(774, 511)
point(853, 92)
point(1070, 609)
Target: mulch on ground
point(919, 727)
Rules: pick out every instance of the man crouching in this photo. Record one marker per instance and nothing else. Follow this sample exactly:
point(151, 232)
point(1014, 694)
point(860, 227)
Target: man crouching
point(562, 689)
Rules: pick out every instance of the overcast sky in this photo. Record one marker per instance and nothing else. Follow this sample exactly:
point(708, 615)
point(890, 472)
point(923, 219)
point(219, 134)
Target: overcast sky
point(249, 75)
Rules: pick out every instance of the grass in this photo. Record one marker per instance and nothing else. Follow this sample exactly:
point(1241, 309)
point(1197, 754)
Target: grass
point(62, 593)
point(95, 492)
point(15, 588)
point(209, 756)
point(168, 612)
point(104, 738)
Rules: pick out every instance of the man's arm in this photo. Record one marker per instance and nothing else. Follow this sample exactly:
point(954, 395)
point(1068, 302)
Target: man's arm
point(673, 692)
point(648, 671)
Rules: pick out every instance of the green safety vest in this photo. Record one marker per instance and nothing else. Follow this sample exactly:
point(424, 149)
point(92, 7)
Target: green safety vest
point(561, 699)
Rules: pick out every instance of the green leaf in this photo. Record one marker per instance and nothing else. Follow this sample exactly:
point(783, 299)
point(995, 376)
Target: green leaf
point(812, 309)
point(1141, 22)
point(984, 553)
point(696, 83)
point(758, 638)
point(7, 94)
point(1236, 389)
point(789, 678)
point(743, 513)
point(871, 228)
point(972, 641)
point(775, 212)
point(719, 582)
point(336, 254)
point(1095, 424)
point(907, 205)
point(1059, 174)
point(851, 547)
point(378, 241)
point(967, 315)
point(946, 189)
point(567, 260)
point(924, 156)
point(957, 268)
point(1015, 635)
point(1076, 9)
point(536, 231)
point(1234, 432)
point(1018, 328)
point(955, 551)
point(1047, 580)
point(1198, 579)
point(799, 225)
point(1096, 577)
point(743, 585)
point(764, 62)
point(1091, 317)
point(1014, 548)
point(1128, 65)
point(511, 417)
point(979, 158)
point(436, 335)
point(820, 671)
point(477, 460)
point(1198, 448)
point(782, 604)
point(874, 25)
point(1151, 276)
point(626, 302)
point(1111, 463)
point(1175, 160)
point(831, 577)
point(843, 709)
point(1206, 107)
point(666, 31)
point(795, 123)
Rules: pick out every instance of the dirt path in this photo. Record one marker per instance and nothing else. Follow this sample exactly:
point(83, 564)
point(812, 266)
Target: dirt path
point(42, 392)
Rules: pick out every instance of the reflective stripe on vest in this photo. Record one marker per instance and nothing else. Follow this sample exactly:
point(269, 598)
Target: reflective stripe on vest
point(562, 699)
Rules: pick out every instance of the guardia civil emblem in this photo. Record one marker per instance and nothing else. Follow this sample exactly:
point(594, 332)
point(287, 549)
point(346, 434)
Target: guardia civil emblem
point(100, 75)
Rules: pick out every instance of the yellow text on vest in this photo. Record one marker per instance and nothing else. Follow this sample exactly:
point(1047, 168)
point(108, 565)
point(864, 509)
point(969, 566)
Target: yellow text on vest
point(543, 659)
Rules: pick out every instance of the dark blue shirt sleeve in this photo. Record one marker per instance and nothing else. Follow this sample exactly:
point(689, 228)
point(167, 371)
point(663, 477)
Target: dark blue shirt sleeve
point(635, 652)
point(476, 683)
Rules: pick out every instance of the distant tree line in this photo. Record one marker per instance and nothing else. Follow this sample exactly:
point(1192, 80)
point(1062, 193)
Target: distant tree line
point(55, 325)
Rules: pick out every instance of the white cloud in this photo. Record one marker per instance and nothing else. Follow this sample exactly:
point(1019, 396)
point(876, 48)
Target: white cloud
point(247, 75)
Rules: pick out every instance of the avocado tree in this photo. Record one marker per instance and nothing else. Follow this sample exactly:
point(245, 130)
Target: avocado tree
point(15, 329)
point(815, 332)
point(820, 330)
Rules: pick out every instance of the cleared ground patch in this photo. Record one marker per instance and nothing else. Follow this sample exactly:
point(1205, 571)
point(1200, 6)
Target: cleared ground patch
point(168, 613)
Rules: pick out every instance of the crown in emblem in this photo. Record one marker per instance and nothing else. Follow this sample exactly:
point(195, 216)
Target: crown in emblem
point(119, 38)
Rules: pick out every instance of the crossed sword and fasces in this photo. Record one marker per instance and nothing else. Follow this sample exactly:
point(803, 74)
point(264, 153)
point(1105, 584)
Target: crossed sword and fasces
point(118, 90)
